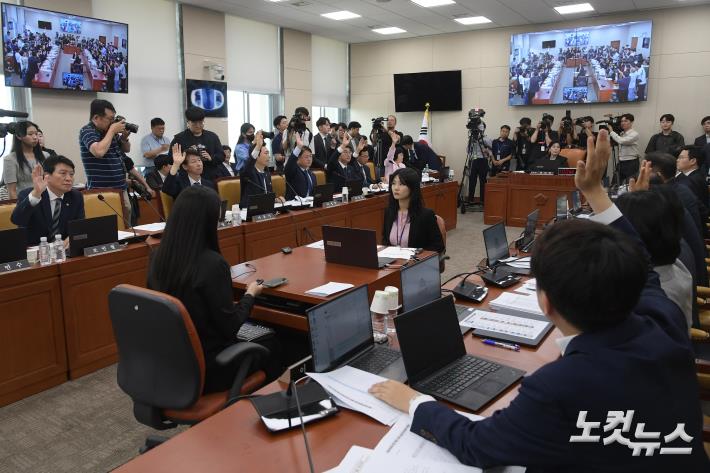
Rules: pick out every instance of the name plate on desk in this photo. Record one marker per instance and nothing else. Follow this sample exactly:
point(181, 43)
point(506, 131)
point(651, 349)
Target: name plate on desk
point(331, 203)
point(263, 217)
point(101, 249)
point(14, 266)
point(356, 198)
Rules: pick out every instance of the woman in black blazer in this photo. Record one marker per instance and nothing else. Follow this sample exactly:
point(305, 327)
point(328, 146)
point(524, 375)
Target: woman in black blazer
point(407, 222)
point(189, 266)
point(552, 160)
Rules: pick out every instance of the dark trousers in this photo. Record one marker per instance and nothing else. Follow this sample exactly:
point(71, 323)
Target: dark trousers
point(478, 172)
point(641, 91)
point(623, 95)
point(628, 169)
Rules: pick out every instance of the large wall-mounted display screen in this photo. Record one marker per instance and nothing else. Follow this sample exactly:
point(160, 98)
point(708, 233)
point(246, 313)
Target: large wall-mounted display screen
point(590, 64)
point(51, 50)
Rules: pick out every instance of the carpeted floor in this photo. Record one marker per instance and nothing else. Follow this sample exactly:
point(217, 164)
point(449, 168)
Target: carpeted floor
point(87, 425)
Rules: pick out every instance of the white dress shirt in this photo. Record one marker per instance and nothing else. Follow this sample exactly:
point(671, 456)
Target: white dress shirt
point(54, 199)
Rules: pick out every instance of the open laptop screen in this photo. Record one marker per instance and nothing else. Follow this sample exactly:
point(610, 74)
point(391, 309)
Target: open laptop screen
point(576, 201)
point(561, 207)
point(340, 328)
point(421, 283)
point(531, 224)
point(496, 243)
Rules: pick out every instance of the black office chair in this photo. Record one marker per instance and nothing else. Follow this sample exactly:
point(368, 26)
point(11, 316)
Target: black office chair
point(161, 363)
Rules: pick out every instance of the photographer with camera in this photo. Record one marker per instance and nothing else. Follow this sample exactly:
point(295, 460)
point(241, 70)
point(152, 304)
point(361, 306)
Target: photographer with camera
point(523, 146)
point(241, 150)
point(206, 142)
point(628, 148)
point(277, 151)
point(542, 137)
point(382, 140)
point(587, 125)
point(297, 124)
point(103, 143)
point(477, 154)
point(567, 131)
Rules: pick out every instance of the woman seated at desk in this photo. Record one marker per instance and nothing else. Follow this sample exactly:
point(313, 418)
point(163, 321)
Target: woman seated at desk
point(188, 265)
point(407, 222)
point(551, 161)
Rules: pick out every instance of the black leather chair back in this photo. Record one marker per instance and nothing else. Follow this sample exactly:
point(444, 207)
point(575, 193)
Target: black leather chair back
point(161, 363)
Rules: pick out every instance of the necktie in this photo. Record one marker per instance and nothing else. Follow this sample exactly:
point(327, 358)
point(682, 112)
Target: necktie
point(310, 183)
point(412, 156)
point(197, 183)
point(54, 229)
point(364, 176)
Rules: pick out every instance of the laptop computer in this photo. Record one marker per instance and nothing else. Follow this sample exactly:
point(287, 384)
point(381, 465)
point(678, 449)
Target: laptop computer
point(88, 232)
point(436, 361)
point(354, 187)
point(421, 284)
point(529, 234)
point(561, 207)
point(259, 204)
point(340, 332)
point(444, 173)
point(353, 247)
point(322, 193)
point(13, 245)
point(496, 243)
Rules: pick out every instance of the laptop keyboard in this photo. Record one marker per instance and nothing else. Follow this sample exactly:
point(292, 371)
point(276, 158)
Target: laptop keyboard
point(461, 374)
point(376, 360)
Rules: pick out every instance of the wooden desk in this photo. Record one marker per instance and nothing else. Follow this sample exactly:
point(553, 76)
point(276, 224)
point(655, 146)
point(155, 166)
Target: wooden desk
point(306, 268)
point(236, 440)
point(511, 198)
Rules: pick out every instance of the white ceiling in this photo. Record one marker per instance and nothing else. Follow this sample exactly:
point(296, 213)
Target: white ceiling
point(418, 21)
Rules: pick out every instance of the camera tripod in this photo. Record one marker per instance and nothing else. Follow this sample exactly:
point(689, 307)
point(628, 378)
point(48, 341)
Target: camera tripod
point(475, 137)
point(379, 157)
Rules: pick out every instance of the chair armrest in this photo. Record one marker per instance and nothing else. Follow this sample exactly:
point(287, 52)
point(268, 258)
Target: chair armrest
point(698, 335)
point(239, 351)
point(703, 291)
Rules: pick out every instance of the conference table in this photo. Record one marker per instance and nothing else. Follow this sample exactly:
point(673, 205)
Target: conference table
point(236, 440)
point(54, 320)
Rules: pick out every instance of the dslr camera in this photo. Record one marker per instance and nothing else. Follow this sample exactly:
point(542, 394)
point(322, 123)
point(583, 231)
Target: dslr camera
point(547, 120)
point(267, 134)
point(378, 124)
point(132, 127)
point(567, 122)
point(295, 124)
point(6, 128)
point(612, 123)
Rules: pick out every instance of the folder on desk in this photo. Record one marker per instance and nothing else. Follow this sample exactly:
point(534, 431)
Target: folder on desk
point(279, 411)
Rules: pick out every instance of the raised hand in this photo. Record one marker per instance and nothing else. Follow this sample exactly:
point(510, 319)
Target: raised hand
point(259, 138)
point(346, 139)
point(39, 181)
point(643, 181)
point(590, 173)
point(299, 141)
point(178, 156)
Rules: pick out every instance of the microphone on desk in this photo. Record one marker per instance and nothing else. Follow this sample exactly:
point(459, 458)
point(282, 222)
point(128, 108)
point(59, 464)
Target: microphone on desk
point(103, 199)
point(155, 211)
point(295, 194)
point(254, 183)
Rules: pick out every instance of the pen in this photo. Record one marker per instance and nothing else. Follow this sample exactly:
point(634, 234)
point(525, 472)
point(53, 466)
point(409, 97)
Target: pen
point(507, 346)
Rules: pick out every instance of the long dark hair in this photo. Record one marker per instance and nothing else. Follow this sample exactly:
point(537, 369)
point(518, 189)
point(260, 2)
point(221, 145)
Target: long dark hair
point(549, 153)
point(410, 178)
point(191, 229)
point(243, 133)
point(17, 145)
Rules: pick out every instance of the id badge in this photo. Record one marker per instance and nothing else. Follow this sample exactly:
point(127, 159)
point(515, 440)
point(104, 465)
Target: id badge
point(542, 148)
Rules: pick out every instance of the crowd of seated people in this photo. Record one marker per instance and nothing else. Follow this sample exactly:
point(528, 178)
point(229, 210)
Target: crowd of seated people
point(25, 53)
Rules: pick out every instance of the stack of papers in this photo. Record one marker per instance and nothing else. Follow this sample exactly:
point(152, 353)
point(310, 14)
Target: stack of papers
point(529, 288)
point(124, 235)
point(318, 245)
point(151, 227)
point(328, 289)
point(396, 252)
point(349, 387)
point(514, 304)
point(505, 324)
point(521, 263)
point(402, 451)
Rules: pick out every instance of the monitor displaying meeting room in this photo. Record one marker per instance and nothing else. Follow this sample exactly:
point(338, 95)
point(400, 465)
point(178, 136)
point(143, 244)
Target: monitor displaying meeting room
point(591, 64)
point(51, 50)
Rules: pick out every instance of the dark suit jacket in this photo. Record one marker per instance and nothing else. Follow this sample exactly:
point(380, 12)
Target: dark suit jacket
point(210, 303)
point(423, 231)
point(357, 171)
point(38, 219)
point(297, 179)
point(424, 155)
point(252, 181)
point(321, 154)
point(338, 175)
point(644, 364)
point(700, 189)
point(173, 185)
point(154, 180)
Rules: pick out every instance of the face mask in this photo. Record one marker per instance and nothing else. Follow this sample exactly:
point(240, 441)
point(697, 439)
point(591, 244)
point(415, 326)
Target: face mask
point(250, 138)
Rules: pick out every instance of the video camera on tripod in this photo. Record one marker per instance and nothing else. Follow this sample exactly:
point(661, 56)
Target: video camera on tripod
point(612, 121)
point(475, 124)
point(378, 124)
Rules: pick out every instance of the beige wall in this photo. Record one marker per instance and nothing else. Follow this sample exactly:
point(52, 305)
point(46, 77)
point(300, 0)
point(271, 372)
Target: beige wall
point(204, 40)
point(678, 78)
point(61, 113)
point(297, 70)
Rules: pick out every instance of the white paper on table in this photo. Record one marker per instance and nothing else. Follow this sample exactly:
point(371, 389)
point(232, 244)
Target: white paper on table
point(349, 387)
point(396, 252)
point(151, 227)
point(353, 461)
point(380, 462)
point(329, 289)
point(512, 301)
point(124, 235)
point(524, 259)
point(318, 245)
point(505, 324)
point(525, 290)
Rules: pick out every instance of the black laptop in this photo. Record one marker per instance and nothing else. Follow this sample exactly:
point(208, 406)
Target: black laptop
point(496, 243)
point(13, 245)
point(421, 284)
point(88, 232)
point(436, 361)
point(444, 173)
point(259, 204)
point(340, 331)
point(529, 234)
point(353, 247)
point(561, 207)
point(322, 193)
point(354, 187)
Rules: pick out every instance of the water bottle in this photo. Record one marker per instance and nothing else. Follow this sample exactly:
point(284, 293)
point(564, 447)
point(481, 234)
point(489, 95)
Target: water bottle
point(60, 255)
point(344, 193)
point(45, 256)
point(236, 216)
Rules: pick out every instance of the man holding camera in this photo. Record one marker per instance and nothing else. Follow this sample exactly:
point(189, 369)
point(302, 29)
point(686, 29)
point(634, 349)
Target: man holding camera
point(543, 137)
point(380, 134)
point(103, 143)
point(628, 148)
point(523, 146)
point(206, 142)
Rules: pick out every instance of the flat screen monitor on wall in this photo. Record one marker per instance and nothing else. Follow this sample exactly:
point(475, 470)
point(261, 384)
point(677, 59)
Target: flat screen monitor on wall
point(52, 50)
point(209, 95)
point(591, 64)
point(441, 90)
